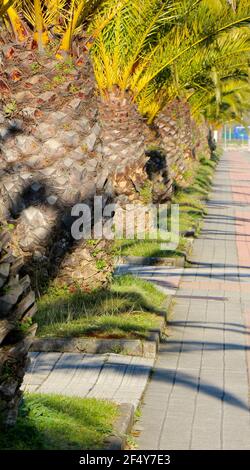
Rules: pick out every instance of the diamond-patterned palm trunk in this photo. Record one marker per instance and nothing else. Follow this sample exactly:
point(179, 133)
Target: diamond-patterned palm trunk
point(183, 139)
point(17, 307)
point(179, 136)
point(122, 140)
point(202, 139)
point(50, 161)
point(169, 128)
point(186, 130)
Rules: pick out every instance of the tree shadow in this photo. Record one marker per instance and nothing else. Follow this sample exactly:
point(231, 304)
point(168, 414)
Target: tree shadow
point(228, 326)
point(181, 379)
point(177, 377)
point(35, 194)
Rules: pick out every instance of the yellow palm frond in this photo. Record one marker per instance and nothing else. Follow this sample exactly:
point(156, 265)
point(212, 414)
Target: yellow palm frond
point(19, 28)
point(74, 16)
point(144, 40)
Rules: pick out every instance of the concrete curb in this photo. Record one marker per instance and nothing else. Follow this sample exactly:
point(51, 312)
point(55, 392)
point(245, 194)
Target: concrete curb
point(133, 347)
point(151, 261)
point(123, 425)
point(176, 262)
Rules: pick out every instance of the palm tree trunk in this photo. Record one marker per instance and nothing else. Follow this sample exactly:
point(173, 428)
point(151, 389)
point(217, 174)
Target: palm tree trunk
point(46, 171)
point(178, 134)
point(202, 136)
point(211, 141)
point(123, 143)
point(17, 306)
point(167, 122)
point(186, 128)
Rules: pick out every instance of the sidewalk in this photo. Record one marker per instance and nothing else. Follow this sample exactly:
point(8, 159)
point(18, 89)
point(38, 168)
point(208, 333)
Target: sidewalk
point(115, 377)
point(198, 397)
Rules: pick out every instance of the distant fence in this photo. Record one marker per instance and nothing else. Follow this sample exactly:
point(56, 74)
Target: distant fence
point(236, 136)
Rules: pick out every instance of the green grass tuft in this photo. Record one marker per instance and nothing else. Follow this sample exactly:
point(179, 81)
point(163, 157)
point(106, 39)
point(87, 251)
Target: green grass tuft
point(53, 422)
point(192, 209)
point(129, 308)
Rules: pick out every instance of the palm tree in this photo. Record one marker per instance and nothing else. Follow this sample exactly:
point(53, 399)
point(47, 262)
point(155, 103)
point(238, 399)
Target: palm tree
point(134, 58)
point(17, 305)
point(225, 99)
point(220, 81)
point(143, 54)
point(160, 105)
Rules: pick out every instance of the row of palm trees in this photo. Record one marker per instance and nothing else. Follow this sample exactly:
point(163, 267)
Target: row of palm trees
point(153, 52)
point(148, 54)
point(156, 63)
point(155, 49)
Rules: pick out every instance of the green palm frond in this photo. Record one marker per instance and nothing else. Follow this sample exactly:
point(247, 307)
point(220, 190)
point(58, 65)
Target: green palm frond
point(140, 46)
point(132, 33)
point(233, 102)
point(194, 69)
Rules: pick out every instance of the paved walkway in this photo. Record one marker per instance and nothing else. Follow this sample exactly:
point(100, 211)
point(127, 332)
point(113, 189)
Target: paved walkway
point(199, 392)
point(108, 376)
point(198, 397)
